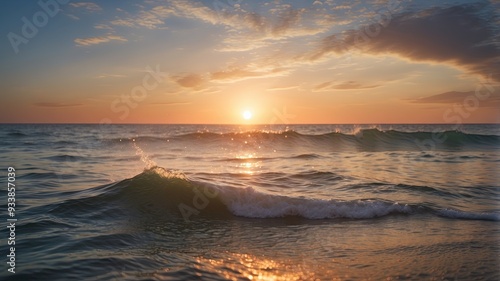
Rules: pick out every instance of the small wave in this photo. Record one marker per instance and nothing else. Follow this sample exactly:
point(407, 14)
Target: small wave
point(244, 160)
point(135, 139)
point(244, 137)
point(363, 139)
point(43, 225)
point(47, 175)
point(314, 175)
point(306, 156)
point(426, 140)
point(16, 134)
point(65, 158)
point(426, 189)
point(65, 143)
point(100, 242)
point(456, 214)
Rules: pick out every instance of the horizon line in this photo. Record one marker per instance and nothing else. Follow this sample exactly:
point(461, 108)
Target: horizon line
point(241, 124)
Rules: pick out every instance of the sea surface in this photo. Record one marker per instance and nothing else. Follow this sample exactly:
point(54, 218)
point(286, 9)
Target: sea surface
point(229, 202)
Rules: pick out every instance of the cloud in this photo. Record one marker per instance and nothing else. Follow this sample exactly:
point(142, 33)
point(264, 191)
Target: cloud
point(346, 85)
point(170, 103)
point(98, 40)
point(56, 104)
point(352, 85)
point(238, 74)
point(252, 29)
point(102, 76)
point(124, 22)
point(73, 17)
point(149, 19)
point(342, 7)
point(234, 74)
point(193, 81)
point(102, 26)
point(453, 97)
point(322, 86)
point(89, 6)
point(283, 88)
point(464, 36)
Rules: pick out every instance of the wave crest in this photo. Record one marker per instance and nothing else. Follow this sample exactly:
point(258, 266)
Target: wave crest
point(158, 191)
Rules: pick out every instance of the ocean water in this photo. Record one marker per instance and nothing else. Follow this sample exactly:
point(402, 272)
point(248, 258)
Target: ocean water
point(227, 202)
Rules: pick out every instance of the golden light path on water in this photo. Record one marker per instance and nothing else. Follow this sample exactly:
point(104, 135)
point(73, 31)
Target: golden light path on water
point(252, 267)
point(250, 164)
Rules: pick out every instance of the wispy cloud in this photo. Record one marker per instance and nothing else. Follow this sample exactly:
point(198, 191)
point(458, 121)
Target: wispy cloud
point(56, 104)
point(352, 85)
point(346, 85)
point(98, 40)
point(455, 97)
point(103, 76)
point(170, 103)
point(238, 74)
point(193, 81)
point(103, 26)
point(73, 17)
point(152, 19)
point(88, 6)
point(322, 86)
point(233, 75)
point(282, 88)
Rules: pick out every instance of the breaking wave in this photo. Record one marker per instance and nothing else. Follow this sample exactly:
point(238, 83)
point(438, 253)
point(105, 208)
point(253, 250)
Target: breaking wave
point(157, 190)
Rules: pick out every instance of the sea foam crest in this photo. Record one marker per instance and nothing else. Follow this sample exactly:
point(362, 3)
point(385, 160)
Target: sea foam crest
point(248, 202)
point(455, 214)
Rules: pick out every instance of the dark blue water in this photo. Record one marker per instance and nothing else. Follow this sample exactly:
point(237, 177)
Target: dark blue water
point(221, 202)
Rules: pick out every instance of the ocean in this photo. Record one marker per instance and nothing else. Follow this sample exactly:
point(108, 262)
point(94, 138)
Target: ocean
point(249, 202)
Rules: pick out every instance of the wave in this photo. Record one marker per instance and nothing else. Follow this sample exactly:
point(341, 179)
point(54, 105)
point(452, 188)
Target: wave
point(65, 158)
point(158, 192)
point(16, 134)
point(47, 176)
point(365, 139)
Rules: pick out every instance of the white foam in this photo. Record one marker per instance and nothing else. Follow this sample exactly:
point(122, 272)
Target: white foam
point(247, 202)
point(450, 213)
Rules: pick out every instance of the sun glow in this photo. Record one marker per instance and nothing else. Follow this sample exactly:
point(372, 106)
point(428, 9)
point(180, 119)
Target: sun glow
point(247, 115)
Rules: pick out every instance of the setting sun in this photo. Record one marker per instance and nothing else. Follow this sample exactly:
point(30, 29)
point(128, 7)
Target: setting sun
point(247, 115)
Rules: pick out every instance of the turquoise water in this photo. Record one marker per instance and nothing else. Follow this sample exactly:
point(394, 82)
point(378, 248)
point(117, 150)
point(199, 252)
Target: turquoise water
point(222, 202)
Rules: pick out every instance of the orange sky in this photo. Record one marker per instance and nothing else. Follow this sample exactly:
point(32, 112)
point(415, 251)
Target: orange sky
point(175, 61)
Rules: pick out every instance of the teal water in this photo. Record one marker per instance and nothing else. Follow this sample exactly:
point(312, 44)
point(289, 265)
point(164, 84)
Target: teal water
point(223, 202)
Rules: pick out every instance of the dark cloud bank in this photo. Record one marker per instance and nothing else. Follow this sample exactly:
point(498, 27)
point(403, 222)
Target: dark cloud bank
point(465, 36)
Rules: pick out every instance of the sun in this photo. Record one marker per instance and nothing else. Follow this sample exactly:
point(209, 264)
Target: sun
point(247, 115)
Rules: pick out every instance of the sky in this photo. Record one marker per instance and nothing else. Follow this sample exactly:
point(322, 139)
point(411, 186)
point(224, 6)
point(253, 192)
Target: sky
point(242, 61)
